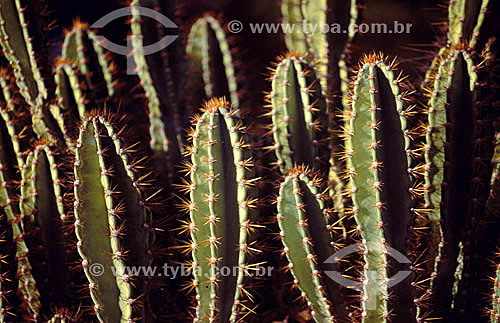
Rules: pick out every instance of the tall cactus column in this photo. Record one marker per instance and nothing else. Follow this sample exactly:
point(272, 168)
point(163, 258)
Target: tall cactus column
point(378, 167)
point(221, 200)
point(112, 223)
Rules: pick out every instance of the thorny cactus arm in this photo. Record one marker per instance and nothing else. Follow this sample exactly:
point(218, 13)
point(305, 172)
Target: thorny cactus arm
point(495, 298)
point(459, 138)
point(304, 220)
point(18, 49)
point(465, 20)
point(378, 167)
point(111, 222)
point(159, 82)
point(43, 215)
point(206, 38)
point(221, 199)
point(11, 160)
point(299, 116)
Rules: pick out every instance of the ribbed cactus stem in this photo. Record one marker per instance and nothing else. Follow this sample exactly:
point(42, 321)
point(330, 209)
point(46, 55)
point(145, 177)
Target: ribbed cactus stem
point(158, 83)
point(378, 167)
point(459, 138)
point(221, 199)
point(299, 116)
point(207, 36)
point(112, 225)
point(43, 211)
point(495, 298)
point(81, 47)
point(304, 219)
point(465, 20)
point(18, 49)
point(11, 159)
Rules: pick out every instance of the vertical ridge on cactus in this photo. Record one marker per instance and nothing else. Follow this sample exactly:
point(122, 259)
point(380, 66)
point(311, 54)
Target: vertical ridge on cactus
point(81, 48)
point(43, 216)
point(460, 128)
point(11, 160)
point(208, 46)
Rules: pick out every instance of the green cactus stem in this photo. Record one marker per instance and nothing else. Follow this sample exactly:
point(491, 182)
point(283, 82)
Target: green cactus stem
point(81, 48)
point(382, 187)
point(214, 61)
point(305, 223)
point(156, 73)
point(465, 20)
point(221, 199)
point(459, 146)
point(43, 213)
point(495, 298)
point(11, 160)
point(16, 41)
point(307, 38)
point(112, 224)
point(299, 116)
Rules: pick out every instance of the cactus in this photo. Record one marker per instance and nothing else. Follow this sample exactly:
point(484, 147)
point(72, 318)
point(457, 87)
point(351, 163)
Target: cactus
point(495, 297)
point(221, 200)
point(213, 60)
point(43, 215)
point(299, 116)
point(89, 159)
point(454, 160)
point(19, 50)
point(156, 73)
point(81, 48)
point(305, 222)
point(382, 183)
point(11, 159)
point(111, 221)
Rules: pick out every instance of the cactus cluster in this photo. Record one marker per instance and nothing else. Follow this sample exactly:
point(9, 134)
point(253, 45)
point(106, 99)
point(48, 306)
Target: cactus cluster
point(357, 196)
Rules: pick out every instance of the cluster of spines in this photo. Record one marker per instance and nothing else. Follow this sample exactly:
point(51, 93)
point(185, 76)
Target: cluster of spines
point(109, 201)
point(305, 222)
point(221, 199)
point(299, 116)
point(383, 183)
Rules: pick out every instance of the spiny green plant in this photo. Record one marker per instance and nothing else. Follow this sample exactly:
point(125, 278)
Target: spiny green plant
point(78, 190)
point(306, 228)
point(299, 116)
point(221, 190)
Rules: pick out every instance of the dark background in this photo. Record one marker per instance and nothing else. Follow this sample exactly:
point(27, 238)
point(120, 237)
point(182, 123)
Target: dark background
point(264, 48)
